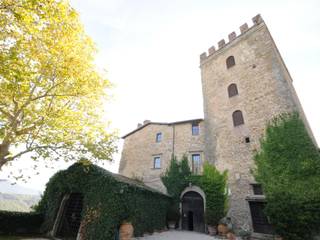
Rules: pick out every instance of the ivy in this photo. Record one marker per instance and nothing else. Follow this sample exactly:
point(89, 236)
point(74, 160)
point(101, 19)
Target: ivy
point(24, 222)
point(108, 200)
point(176, 177)
point(288, 167)
point(214, 184)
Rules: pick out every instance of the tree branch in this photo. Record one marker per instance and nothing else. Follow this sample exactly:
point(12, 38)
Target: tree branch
point(9, 115)
point(31, 149)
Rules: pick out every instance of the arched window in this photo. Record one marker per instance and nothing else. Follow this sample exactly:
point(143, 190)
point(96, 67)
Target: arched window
point(232, 90)
point(237, 118)
point(230, 62)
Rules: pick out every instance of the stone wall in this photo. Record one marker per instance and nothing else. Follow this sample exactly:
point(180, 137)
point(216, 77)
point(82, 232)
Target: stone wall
point(264, 91)
point(141, 147)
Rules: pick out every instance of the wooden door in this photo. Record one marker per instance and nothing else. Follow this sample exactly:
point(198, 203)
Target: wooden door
point(193, 212)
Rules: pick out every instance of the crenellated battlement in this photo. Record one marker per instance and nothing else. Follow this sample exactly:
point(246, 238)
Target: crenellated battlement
point(231, 37)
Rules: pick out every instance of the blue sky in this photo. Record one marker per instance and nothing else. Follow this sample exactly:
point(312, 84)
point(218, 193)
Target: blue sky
point(151, 50)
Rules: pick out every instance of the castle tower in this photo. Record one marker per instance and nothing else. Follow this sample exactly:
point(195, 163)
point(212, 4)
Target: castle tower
point(245, 84)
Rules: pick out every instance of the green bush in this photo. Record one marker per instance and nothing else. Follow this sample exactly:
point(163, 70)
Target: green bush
point(288, 167)
point(176, 177)
point(173, 213)
point(108, 200)
point(214, 185)
point(20, 222)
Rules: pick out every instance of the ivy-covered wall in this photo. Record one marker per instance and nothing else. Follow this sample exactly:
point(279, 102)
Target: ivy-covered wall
point(108, 200)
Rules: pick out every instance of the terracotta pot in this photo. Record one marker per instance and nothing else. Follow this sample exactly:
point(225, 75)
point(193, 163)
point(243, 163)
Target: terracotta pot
point(126, 231)
point(212, 230)
point(172, 224)
point(223, 230)
point(231, 236)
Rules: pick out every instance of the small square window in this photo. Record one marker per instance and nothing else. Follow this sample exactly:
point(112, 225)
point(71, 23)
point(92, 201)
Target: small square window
point(156, 162)
point(195, 129)
point(247, 139)
point(196, 163)
point(158, 137)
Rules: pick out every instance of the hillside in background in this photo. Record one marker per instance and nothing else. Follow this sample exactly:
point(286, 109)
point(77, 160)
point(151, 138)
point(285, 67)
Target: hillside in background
point(17, 198)
point(18, 202)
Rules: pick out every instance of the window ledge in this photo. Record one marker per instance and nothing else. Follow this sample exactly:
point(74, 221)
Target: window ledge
point(258, 198)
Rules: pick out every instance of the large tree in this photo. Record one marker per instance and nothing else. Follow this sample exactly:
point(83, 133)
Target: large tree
point(288, 167)
point(51, 94)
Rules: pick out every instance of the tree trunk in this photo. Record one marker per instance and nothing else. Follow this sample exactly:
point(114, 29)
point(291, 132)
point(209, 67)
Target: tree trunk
point(4, 151)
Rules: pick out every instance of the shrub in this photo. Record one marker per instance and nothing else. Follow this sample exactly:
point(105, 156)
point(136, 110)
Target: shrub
point(20, 222)
point(176, 177)
point(214, 185)
point(173, 213)
point(288, 167)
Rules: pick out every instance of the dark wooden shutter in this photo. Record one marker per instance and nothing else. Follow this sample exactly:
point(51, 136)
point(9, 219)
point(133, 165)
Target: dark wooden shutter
point(237, 118)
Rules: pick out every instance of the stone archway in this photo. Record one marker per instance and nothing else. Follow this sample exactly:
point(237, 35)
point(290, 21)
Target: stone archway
point(193, 209)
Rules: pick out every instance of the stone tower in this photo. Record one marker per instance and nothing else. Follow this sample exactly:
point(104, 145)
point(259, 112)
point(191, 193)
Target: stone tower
point(245, 83)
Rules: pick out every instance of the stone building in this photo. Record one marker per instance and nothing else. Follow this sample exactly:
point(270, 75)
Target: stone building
point(147, 150)
point(245, 84)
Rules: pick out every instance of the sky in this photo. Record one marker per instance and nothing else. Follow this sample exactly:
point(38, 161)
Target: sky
point(151, 50)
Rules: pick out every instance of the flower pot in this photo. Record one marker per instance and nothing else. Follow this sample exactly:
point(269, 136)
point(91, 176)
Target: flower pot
point(172, 224)
point(126, 231)
point(223, 229)
point(231, 236)
point(212, 230)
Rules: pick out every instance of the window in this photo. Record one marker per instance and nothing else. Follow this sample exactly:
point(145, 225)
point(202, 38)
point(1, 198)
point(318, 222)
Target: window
point(195, 129)
point(232, 90)
point(237, 118)
point(156, 162)
point(247, 139)
point(196, 163)
point(158, 137)
point(230, 62)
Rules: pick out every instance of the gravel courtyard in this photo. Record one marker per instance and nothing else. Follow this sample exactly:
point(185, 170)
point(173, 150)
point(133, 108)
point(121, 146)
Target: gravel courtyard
point(175, 235)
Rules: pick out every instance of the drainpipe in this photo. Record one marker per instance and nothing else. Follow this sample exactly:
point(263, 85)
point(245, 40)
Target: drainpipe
point(173, 138)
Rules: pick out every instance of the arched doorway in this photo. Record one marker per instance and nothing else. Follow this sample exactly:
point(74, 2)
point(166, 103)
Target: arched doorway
point(193, 212)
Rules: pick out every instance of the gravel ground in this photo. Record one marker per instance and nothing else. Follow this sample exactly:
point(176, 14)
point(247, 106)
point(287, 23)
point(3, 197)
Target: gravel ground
point(177, 235)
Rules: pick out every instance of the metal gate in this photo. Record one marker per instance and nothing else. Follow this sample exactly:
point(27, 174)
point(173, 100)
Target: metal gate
point(71, 217)
point(193, 212)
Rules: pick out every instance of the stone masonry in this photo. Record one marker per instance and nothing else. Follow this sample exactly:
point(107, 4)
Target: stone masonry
point(140, 148)
point(264, 90)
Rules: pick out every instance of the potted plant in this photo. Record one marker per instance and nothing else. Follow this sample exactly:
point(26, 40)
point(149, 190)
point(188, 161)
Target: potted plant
point(173, 216)
point(126, 230)
point(212, 222)
point(225, 226)
point(244, 234)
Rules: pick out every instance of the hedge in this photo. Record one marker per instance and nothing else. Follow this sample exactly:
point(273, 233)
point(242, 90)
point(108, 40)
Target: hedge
point(20, 222)
point(108, 199)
